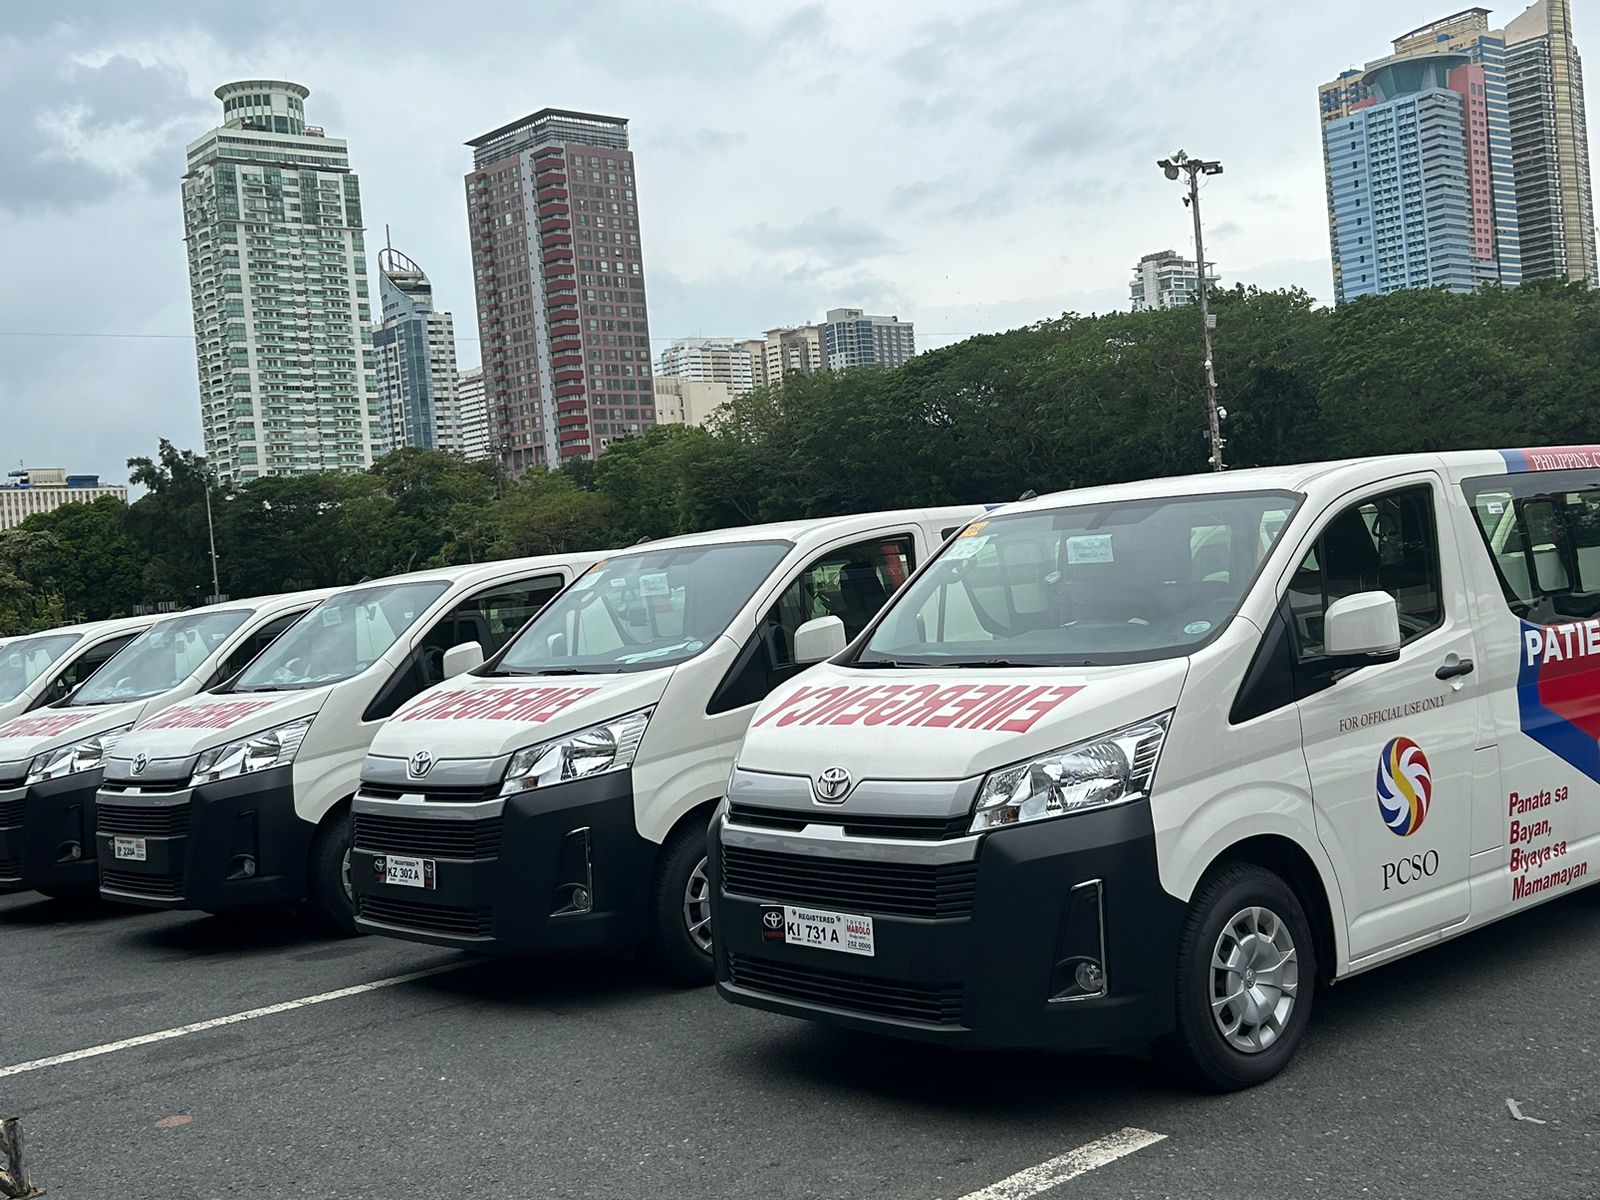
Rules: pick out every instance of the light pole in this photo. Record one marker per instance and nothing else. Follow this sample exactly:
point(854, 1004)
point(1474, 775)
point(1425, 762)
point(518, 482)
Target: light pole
point(1196, 167)
point(211, 536)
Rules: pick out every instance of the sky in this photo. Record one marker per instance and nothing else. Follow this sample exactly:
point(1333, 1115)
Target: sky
point(970, 167)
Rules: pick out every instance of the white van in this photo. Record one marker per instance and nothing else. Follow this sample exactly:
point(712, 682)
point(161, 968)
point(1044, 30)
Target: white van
point(241, 796)
point(1151, 761)
point(559, 797)
point(41, 668)
point(51, 758)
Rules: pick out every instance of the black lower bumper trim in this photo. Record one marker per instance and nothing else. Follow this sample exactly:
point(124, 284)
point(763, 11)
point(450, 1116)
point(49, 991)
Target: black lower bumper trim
point(52, 846)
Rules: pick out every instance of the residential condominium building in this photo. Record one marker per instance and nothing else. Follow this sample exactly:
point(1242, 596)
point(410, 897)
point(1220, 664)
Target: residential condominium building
point(684, 401)
point(475, 442)
point(1166, 279)
point(1550, 145)
point(851, 338)
point(415, 349)
point(552, 208)
point(710, 360)
point(790, 350)
point(278, 284)
point(31, 490)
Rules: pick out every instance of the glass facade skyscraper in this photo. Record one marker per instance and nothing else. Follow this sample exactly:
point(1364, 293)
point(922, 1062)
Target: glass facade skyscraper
point(415, 348)
point(278, 285)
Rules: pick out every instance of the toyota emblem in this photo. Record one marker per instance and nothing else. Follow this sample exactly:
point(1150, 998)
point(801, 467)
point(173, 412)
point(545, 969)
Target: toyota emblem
point(773, 918)
point(833, 785)
point(419, 764)
point(140, 763)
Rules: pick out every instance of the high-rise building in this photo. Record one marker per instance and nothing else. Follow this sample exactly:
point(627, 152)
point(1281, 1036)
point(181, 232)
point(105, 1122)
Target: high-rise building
point(415, 349)
point(1417, 158)
point(791, 350)
point(1550, 145)
point(851, 338)
point(710, 360)
point(552, 206)
point(684, 401)
point(474, 412)
point(278, 284)
point(30, 490)
point(1166, 279)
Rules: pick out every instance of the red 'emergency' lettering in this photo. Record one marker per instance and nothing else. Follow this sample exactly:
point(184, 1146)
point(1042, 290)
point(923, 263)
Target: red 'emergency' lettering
point(531, 705)
point(41, 726)
point(1009, 708)
point(218, 715)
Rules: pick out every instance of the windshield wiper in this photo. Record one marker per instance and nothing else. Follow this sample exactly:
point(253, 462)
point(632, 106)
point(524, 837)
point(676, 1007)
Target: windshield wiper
point(1002, 662)
point(885, 664)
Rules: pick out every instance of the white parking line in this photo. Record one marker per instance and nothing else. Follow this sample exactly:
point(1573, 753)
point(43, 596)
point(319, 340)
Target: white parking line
point(1068, 1166)
point(166, 1035)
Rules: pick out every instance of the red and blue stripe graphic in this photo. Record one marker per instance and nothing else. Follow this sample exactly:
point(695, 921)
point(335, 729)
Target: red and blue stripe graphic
point(1558, 700)
point(1551, 458)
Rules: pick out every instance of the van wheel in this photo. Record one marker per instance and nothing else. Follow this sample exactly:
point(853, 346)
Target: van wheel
point(680, 908)
point(1246, 977)
point(332, 899)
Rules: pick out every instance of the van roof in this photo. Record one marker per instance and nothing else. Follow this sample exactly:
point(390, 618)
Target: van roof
point(266, 605)
point(790, 531)
point(1294, 477)
point(471, 573)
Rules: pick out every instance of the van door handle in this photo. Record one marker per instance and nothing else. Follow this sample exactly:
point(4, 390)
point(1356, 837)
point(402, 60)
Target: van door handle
point(1451, 670)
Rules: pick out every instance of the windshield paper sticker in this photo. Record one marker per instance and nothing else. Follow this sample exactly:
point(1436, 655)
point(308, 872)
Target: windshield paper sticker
point(1009, 708)
point(534, 705)
point(1089, 548)
point(214, 715)
point(41, 726)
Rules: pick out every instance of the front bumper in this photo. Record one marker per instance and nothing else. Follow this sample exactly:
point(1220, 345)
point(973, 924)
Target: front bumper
point(230, 844)
point(977, 940)
point(46, 834)
point(560, 868)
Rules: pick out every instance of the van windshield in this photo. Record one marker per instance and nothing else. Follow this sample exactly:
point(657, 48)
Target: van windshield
point(340, 638)
point(24, 660)
point(160, 658)
point(1128, 581)
point(636, 612)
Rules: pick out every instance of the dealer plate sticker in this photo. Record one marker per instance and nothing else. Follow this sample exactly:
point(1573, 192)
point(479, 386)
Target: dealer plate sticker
point(128, 849)
point(406, 872)
point(844, 933)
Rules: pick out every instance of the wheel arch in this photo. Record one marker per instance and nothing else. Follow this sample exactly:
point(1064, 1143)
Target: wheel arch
point(1290, 861)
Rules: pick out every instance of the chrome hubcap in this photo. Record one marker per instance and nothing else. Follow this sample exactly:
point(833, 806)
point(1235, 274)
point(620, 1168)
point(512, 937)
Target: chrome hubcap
point(1255, 976)
point(697, 907)
point(344, 877)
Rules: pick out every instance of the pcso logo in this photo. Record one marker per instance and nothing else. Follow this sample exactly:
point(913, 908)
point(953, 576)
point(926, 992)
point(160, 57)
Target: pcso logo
point(1405, 786)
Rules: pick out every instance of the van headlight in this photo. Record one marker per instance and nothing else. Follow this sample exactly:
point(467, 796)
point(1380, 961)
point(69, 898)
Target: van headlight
point(274, 747)
point(85, 755)
point(1114, 768)
point(592, 751)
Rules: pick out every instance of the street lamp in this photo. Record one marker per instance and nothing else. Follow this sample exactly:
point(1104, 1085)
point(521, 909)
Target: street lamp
point(1174, 167)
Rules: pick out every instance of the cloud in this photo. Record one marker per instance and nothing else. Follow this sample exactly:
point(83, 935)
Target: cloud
point(827, 237)
point(700, 143)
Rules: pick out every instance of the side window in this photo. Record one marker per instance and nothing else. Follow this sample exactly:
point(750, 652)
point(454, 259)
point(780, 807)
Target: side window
point(489, 618)
point(85, 665)
point(1389, 543)
point(851, 583)
point(245, 652)
point(1544, 540)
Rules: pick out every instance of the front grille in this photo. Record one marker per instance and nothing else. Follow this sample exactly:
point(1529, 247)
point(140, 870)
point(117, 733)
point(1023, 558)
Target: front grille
point(922, 829)
point(855, 885)
point(162, 887)
point(171, 821)
point(11, 813)
point(418, 835)
point(936, 1004)
point(10, 868)
point(154, 787)
point(434, 918)
point(380, 791)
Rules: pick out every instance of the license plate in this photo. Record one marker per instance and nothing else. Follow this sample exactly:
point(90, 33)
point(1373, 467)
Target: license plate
point(843, 933)
point(129, 849)
point(406, 872)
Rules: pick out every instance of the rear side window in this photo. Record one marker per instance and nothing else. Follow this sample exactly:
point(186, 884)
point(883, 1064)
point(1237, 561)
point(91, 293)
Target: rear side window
point(1542, 532)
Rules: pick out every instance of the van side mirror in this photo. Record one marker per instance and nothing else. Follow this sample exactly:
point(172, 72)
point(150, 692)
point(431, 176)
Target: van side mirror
point(818, 639)
point(463, 658)
point(1365, 625)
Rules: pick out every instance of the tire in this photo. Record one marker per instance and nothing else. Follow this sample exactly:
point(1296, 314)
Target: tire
point(682, 954)
point(327, 883)
point(1250, 918)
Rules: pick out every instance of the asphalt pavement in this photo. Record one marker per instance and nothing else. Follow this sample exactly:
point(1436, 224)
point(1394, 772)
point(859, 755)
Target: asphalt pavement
point(583, 1077)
